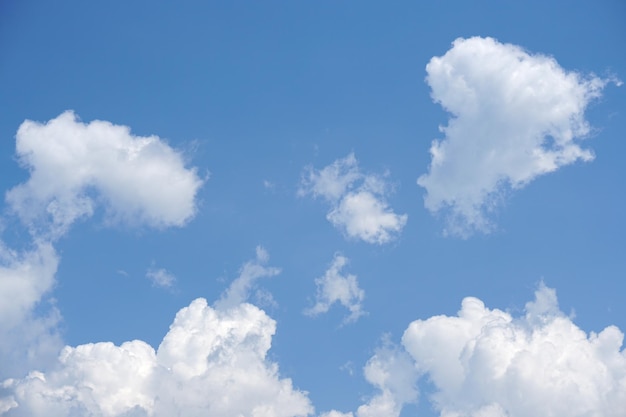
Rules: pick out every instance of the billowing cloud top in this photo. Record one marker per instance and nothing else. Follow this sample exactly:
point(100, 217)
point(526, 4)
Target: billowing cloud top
point(359, 211)
point(487, 363)
point(211, 363)
point(139, 180)
point(73, 166)
point(515, 116)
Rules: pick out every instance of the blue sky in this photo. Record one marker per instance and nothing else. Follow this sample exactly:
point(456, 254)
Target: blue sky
point(312, 208)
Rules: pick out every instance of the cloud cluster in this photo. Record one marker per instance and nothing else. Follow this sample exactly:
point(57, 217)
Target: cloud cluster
point(487, 363)
point(334, 287)
point(362, 211)
point(515, 116)
point(73, 165)
point(211, 363)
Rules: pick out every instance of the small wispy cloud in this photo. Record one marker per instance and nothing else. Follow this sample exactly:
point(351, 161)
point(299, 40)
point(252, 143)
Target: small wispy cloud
point(335, 287)
point(239, 290)
point(268, 184)
point(161, 278)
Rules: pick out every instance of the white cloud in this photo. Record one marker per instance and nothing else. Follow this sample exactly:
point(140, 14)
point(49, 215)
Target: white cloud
point(361, 214)
point(73, 165)
point(359, 211)
point(333, 181)
point(239, 290)
point(264, 299)
point(515, 116)
point(27, 339)
point(334, 287)
point(24, 279)
point(392, 371)
point(334, 413)
point(487, 363)
point(161, 277)
point(211, 363)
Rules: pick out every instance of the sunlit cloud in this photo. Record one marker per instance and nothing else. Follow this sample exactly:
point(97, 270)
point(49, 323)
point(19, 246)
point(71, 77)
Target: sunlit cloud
point(514, 117)
point(76, 166)
point(358, 201)
point(212, 362)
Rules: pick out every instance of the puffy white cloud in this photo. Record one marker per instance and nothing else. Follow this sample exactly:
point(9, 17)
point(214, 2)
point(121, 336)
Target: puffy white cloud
point(161, 277)
point(73, 165)
point(515, 116)
point(362, 214)
point(239, 290)
point(361, 211)
point(212, 362)
point(487, 363)
point(334, 287)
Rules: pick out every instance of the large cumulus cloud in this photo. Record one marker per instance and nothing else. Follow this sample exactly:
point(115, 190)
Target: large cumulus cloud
point(74, 165)
point(211, 363)
point(487, 363)
point(514, 117)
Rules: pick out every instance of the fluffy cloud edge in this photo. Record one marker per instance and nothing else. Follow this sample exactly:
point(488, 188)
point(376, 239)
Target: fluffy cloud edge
point(486, 362)
point(76, 166)
point(73, 167)
point(212, 362)
point(515, 116)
